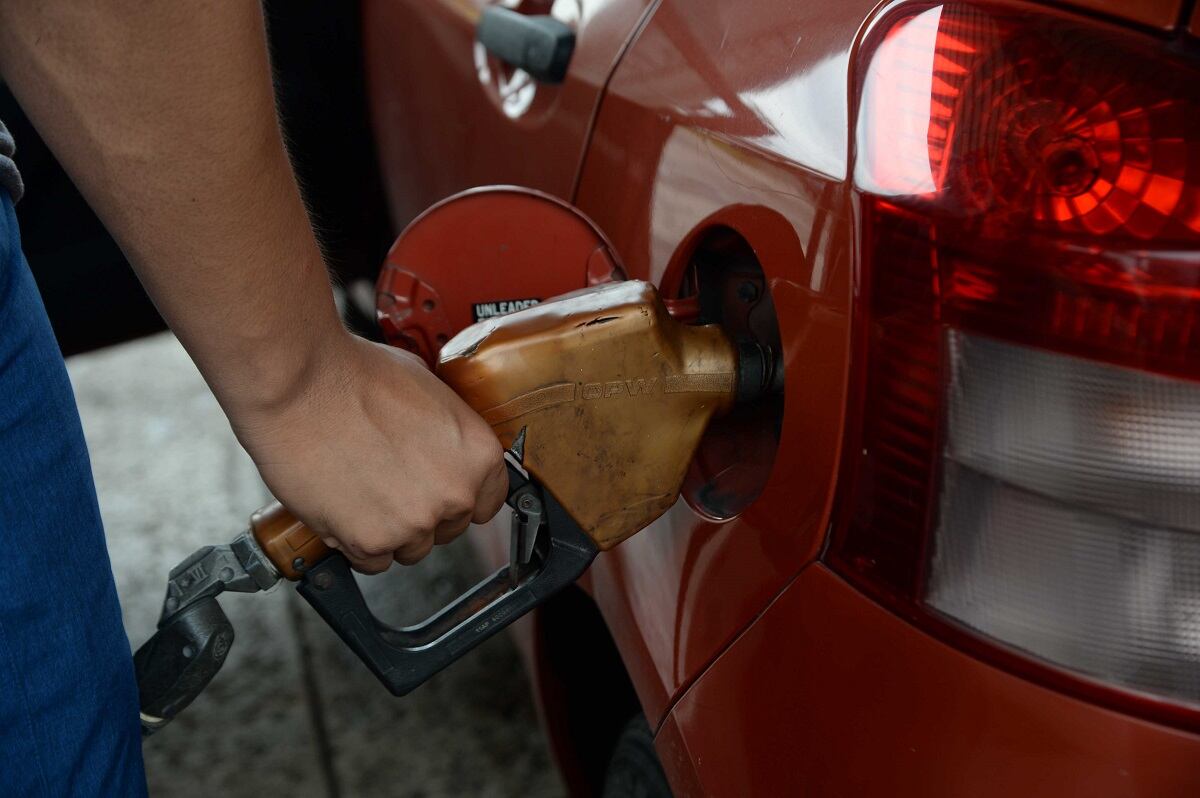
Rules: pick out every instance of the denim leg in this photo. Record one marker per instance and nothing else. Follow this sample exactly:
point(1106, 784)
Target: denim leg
point(68, 699)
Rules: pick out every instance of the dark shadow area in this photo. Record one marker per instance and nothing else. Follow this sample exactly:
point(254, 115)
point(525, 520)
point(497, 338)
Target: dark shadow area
point(91, 294)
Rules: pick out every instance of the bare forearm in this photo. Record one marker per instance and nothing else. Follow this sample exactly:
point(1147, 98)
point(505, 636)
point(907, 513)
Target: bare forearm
point(163, 114)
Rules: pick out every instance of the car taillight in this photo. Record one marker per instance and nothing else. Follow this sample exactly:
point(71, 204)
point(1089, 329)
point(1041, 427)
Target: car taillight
point(1026, 477)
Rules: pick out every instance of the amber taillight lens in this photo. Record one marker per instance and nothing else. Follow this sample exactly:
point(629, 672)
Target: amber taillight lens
point(1026, 476)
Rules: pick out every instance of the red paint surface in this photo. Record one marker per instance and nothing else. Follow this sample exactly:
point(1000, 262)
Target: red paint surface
point(723, 113)
point(440, 126)
point(717, 116)
point(827, 694)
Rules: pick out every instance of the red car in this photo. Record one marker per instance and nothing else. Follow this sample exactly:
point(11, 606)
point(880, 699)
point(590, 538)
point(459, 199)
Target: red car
point(960, 555)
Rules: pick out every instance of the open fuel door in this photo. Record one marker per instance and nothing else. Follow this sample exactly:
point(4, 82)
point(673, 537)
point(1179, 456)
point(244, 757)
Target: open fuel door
point(484, 253)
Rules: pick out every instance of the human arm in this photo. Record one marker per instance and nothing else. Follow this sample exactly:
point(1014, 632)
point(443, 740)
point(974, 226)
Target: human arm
point(163, 114)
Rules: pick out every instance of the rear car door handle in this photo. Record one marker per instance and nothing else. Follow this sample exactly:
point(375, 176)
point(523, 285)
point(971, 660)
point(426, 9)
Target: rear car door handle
point(541, 45)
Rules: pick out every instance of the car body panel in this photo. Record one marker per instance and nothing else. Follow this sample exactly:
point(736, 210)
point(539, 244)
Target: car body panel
point(716, 116)
point(440, 124)
point(889, 710)
point(763, 672)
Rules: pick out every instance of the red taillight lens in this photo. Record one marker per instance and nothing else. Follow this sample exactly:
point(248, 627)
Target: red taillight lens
point(1028, 465)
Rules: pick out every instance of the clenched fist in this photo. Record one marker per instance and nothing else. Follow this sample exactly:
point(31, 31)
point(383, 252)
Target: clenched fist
point(376, 455)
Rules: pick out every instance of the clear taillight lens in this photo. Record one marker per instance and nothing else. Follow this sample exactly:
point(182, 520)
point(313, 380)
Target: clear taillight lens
point(1026, 476)
point(1105, 437)
point(1069, 523)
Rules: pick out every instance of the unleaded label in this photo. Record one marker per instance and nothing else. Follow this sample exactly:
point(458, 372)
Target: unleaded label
point(501, 307)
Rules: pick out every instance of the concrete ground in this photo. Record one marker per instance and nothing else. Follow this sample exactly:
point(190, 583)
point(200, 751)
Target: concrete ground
point(292, 712)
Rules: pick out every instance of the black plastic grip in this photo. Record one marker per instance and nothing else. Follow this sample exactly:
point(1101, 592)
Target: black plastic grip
point(179, 661)
point(541, 45)
point(404, 659)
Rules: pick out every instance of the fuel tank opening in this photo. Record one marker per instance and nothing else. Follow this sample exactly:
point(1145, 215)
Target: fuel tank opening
point(759, 372)
point(724, 284)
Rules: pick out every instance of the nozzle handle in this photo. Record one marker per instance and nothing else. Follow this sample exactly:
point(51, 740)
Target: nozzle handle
point(291, 547)
point(404, 658)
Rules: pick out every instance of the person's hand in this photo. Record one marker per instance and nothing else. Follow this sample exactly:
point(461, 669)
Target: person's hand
point(377, 456)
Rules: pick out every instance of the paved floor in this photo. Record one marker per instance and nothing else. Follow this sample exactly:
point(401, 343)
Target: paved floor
point(292, 712)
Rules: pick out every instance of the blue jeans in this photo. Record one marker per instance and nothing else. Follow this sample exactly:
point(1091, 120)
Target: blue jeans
point(68, 699)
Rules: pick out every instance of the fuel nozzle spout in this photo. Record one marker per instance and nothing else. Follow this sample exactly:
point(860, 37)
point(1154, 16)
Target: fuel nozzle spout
point(759, 371)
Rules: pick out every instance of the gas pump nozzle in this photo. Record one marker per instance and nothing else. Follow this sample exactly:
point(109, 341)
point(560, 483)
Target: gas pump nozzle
point(600, 399)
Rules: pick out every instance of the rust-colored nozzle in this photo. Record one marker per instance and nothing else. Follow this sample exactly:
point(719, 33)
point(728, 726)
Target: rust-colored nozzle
point(613, 393)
